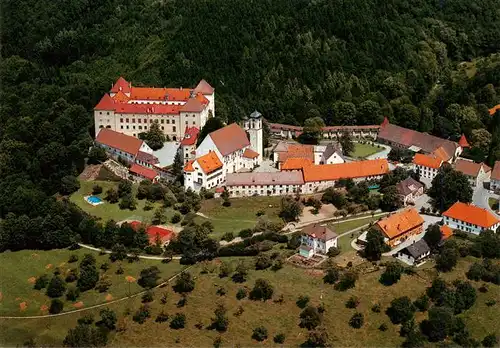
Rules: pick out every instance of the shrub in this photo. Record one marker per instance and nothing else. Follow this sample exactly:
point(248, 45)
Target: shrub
point(491, 303)
point(279, 338)
point(241, 294)
point(184, 283)
point(228, 236)
point(108, 319)
point(262, 290)
point(376, 308)
point(73, 258)
point(221, 291)
point(56, 287)
point(490, 341)
point(302, 301)
point(331, 276)
point(105, 266)
point(220, 322)
point(182, 302)
point(103, 284)
point(239, 311)
point(41, 282)
point(357, 320)
point(147, 297)
point(278, 264)
point(333, 251)
point(401, 310)
point(142, 314)
point(176, 218)
point(309, 318)
point(347, 281)
point(383, 327)
point(96, 189)
point(259, 334)
point(240, 274)
point(422, 303)
point(263, 261)
point(120, 270)
point(352, 302)
point(162, 317)
point(72, 294)
point(149, 277)
point(71, 276)
point(246, 233)
point(56, 306)
point(178, 321)
point(224, 270)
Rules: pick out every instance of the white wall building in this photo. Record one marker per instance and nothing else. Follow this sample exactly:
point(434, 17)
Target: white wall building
point(205, 171)
point(470, 218)
point(264, 184)
point(495, 177)
point(415, 254)
point(476, 173)
point(132, 110)
point(319, 238)
point(427, 166)
point(117, 144)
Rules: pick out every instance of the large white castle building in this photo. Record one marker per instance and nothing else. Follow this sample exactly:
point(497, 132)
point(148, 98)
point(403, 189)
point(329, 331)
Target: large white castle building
point(131, 110)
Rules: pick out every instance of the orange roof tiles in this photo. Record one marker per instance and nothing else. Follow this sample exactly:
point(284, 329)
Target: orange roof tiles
point(296, 163)
point(429, 161)
point(470, 168)
point(148, 173)
point(446, 232)
point(230, 139)
point(494, 109)
point(249, 153)
point(441, 153)
point(190, 136)
point(178, 94)
point(119, 141)
point(495, 174)
point(106, 103)
point(297, 151)
point(471, 214)
point(360, 169)
point(148, 93)
point(209, 162)
point(120, 97)
point(463, 142)
point(399, 223)
point(121, 85)
point(189, 166)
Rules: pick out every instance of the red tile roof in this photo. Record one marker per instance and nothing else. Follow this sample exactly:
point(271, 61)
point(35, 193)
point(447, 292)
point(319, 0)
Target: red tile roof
point(120, 97)
point(399, 223)
point(230, 139)
point(209, 162)
point(471, 214)
point(147, 173)
point(121, 85)
point(446, 232)
point(463, 142)
point(189, 166)
point(147, 157)
point(154, 231)
point(441, 153)
point(193, 105)
point(495, 174)
point(148, 93)
point(249, 153)
point(190, 136)
point(106, 103)
point(204, 88)
point(296, 163)
point(319, 232)
point(470, 168)
point(178, 94)
point(297, 151)
point(360, 169)
point(428, 161)
point(119, 141)
point(494, 109)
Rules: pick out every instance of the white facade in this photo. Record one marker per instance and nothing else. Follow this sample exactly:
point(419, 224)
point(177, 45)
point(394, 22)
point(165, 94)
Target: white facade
point(467, 226)
point(253, 126)
point(410, 260)
point(115, 153)
point(335, 158)
point(426, 172)
point(263, 190)
point(319, 245)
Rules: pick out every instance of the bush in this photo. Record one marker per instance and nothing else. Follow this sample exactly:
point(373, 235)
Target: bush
point(184, 283)
point(225, 270)
point(302, 301)
point(241, 294)
point(182, 302)
point(383, 327)
point(228, 236)
point(357, 320)
point(103, 284)
point(176, 218)
point(262, 290)
point(41, 282)
point(178, 321)
point(240, 274)
point(71, 276)
point(149, 277)
point(246, 233)
point(309, 318)
point(73, 258)
point(105, 266)
point(401, 310)
point(376, 308)
point(72, 294)
point(147, 297)
point(422, 303)
point(56, 306)
point(162, 317)
point(141, 315)
point(331, 276)
point(352, 302)
point(259, 334)
point(279, 338)
point(490, 341)
point(347, 281)
point(491, 303)
point(221, 291)
point(263, 261)
point(333, 251)
point(96, 189)
point(56, 287)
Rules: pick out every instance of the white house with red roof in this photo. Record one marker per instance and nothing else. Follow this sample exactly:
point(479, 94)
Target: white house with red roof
point(188, 144)
point(470, 218)
point(132, 110)
point(205, 171)
point(317, 239)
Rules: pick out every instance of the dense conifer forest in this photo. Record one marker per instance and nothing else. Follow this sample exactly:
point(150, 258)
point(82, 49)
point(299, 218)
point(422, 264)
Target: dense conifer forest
point(427, 65)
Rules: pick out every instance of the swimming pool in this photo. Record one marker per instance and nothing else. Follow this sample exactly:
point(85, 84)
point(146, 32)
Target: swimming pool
point(94, 200)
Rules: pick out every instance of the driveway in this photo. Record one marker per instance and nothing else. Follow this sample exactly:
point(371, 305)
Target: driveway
point(382, 154)
point(267, 166)
point(481, 196)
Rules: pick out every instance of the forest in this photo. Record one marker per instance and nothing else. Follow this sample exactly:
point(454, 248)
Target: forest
point(427, 65)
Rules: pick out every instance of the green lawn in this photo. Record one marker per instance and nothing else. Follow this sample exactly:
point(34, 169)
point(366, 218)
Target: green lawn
point(18, 267)
point(241, 214)
point(342, 227)
point(109, 211)
point(364, 150)
point(288, 282)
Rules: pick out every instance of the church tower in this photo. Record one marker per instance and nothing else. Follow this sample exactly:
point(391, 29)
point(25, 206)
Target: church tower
point(253, 126)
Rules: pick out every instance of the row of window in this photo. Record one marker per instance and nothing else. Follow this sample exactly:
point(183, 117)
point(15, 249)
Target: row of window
point(146, 121)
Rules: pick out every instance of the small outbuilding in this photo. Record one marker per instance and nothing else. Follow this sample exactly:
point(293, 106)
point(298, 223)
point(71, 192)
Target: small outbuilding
point(415, 254)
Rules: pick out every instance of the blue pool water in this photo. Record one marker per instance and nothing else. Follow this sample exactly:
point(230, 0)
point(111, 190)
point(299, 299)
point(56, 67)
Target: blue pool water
point(94, 199)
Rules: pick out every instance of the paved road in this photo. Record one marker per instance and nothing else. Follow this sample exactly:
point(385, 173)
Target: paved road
point(382, 154)
point(481, 196)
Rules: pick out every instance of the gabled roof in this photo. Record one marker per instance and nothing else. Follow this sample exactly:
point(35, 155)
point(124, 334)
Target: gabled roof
point(471, 214)
point(399, 223)
point(153, 231)
point(147, 157)
point(429, 161)
point(190, 136)
point(148, 173)
point(193, 105)
point(463, 142)
point(446, 232)
point(119, 141)
point(470, 168)
point(331, 149)
point(297, 151)
point(121, 85)
point(148, 93)
point(494, 109)
point(106, 103)
point(495, 174)
point(359, 169)
point(262, 178)
point(249, 153)
point(441, 153)
point(229, 139)
point(319, 232)
point(209, 162)
point(120, 97)
point(417, 249)
point(189, 166)
point(296, 163)
point(408, 186)
point(204, 88)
